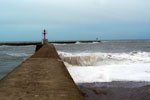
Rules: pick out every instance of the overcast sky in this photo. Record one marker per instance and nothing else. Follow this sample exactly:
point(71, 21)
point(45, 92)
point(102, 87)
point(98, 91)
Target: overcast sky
point(24, 20)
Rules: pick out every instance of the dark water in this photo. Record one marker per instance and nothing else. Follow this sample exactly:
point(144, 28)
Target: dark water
point(112, 46)
point(12, 56)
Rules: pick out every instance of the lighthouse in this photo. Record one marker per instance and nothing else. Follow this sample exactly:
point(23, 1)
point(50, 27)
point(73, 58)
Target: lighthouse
point(45, 41)
point(44, 33)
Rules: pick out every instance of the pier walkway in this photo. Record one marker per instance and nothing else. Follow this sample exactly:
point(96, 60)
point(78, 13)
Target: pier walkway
point(43, 76)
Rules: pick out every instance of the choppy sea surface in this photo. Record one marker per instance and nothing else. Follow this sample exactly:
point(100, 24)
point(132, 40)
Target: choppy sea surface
point(113, 60)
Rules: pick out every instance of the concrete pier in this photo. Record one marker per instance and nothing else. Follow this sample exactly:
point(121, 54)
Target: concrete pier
point(43, 76)
point(45, 41)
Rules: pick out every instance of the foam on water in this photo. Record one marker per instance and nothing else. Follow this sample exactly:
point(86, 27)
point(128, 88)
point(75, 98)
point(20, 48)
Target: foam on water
point(17, 51)
point(97, 59)
point(2, 46)
point(59, 44)
point(134, 72)
point(86, 43)
point(18, 54)
point(5, 46)
point(107, 67)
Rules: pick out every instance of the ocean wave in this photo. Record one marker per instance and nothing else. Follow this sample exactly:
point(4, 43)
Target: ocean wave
point(96, 59)
point(18, 54)
point(78, 43)
point(7, 46)
point(74, 43)
point(59, 44)
point(4, 46)
point(86, 43)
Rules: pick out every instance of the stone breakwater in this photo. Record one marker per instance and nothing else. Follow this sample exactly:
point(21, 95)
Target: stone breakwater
point(38, 43)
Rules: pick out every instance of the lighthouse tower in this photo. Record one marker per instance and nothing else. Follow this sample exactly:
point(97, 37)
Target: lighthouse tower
point(45, 41)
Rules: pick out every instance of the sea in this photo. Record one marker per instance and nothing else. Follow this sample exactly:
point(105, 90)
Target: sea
point(107, 61)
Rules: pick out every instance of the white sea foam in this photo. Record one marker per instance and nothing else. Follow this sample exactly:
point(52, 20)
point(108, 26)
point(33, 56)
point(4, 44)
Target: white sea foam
point(5, 46)
point(97, 59)
point(18, 54)
point(134, 72)
point(107, 67)
point(86, 43)
point(59, 44)
point(89, 74)
point(78, 43)
point(77, 59)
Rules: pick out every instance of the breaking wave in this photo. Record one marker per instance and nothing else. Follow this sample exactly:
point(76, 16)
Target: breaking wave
point(86, 43)
point(7, 46)
point(108, 67)
point(18, 54)
point(97, 59)
point(2, 46)
point(76, 43)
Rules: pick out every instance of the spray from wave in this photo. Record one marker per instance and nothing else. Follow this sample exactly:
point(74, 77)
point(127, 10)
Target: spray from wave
point(97, 59)
point(77, 59)
point(133, 66)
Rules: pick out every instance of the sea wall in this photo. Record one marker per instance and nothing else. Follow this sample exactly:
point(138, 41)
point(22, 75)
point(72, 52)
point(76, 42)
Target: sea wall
point(38, 43)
